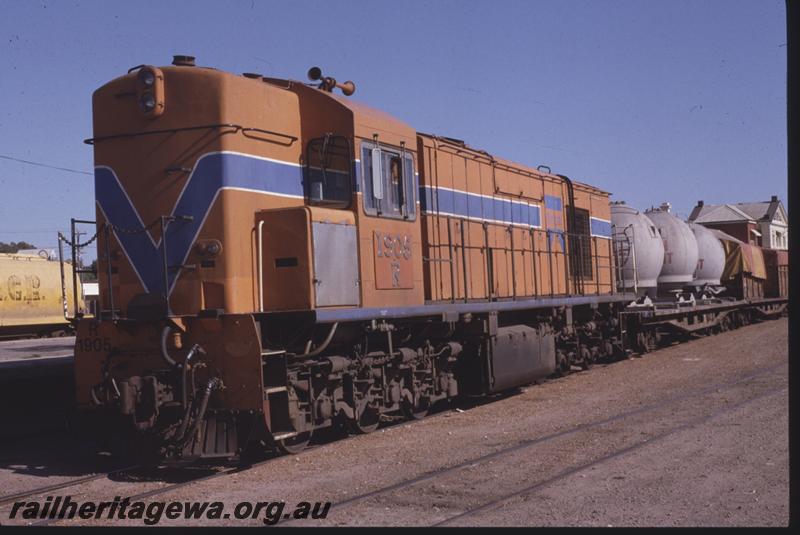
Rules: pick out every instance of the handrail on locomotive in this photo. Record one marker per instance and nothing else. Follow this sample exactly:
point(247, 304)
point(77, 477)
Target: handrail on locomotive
point(108, 230)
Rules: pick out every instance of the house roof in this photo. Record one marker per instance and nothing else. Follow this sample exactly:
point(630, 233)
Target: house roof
point(756, 210)
point(739, 212)
point(718, 213)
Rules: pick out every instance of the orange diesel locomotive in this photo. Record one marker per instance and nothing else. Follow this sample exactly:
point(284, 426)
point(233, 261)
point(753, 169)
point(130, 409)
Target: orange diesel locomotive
point(275, 258)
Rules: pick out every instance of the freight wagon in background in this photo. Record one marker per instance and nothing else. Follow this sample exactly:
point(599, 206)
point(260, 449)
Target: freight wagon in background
point(777, 271)
point(31, 296)
point(745, 273)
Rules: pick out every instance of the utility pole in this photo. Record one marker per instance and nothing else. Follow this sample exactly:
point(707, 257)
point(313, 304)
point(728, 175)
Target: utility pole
point(79, 261)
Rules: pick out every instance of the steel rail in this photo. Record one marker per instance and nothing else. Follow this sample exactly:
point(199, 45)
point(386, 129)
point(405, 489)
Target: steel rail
point(618, 453)
point(553, 436)
point(431, 475)
point(410, 482)
point(8, 498)
point(175, 486)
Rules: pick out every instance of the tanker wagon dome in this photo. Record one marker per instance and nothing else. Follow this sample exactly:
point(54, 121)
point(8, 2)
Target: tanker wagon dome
point(643, 252)
point(680, 249)
point(711, 257)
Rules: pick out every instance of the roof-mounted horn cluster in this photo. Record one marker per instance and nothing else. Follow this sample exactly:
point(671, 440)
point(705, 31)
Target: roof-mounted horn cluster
point(326, 83)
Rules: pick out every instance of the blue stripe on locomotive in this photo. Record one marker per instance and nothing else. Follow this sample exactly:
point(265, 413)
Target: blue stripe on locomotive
point(474, 206)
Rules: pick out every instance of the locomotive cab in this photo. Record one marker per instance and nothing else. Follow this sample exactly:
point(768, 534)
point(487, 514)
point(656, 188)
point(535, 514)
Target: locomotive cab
point(367, 258)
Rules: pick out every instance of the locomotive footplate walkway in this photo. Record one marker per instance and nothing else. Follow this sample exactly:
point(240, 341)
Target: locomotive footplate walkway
point(451, 311)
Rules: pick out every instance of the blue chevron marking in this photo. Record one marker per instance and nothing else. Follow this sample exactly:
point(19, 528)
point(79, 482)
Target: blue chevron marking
point(212, 173)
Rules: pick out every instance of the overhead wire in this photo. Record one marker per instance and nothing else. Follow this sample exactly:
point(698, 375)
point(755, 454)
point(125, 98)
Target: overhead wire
point(41, 164)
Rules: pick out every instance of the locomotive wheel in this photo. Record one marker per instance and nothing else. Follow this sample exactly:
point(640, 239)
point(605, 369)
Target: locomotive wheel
point(418, 411)
point(295, 444)
point(367, 421)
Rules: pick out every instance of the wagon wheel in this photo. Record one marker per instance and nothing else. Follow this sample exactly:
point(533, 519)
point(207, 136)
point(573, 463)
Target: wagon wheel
point(641, 347)
point(646, 341)
point(367, 420)
point(655, 340)
point(562, 364)
point(295, 444)
point(587, 359)
point(418, 410)
point(641, 343)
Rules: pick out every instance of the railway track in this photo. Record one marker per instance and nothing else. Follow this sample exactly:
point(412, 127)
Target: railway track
point(136, 497)
point(444, 471)
point(597, 462)
point(169, 488)
point(429, 476)
point(9, 498)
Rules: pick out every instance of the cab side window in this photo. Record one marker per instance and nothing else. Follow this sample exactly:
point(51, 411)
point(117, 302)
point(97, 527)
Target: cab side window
point(396, 197)
point(328, 172)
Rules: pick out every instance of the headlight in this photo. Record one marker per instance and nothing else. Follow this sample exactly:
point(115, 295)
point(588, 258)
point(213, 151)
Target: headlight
point(147, 102)
point(147, 77)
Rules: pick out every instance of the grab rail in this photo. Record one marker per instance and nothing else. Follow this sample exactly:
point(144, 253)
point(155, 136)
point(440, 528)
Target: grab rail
point(236, 127)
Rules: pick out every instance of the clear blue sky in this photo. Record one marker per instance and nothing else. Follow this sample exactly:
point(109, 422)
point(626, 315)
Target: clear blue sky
point(652, 100)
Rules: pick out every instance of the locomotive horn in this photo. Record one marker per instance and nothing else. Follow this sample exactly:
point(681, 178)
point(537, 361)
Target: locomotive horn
point(327, 83)
point(348, 88)
point(314, 73)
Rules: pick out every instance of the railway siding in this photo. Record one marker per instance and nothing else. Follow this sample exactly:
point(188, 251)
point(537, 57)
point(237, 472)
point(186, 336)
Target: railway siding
point(690, 434)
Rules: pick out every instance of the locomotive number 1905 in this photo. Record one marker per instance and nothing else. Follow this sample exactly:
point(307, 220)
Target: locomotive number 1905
point(393, 268)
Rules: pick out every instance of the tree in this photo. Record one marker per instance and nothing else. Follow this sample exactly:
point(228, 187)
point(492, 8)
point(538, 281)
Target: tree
point(13, 247)
point(90, 277)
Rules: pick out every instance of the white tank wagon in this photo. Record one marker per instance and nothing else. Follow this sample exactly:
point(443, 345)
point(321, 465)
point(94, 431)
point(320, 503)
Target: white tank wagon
point(680, 249)
point(642, 252)
point(711, 257)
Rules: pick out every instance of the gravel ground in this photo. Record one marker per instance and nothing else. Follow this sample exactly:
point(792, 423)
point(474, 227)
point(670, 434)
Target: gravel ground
point(694, 434)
